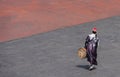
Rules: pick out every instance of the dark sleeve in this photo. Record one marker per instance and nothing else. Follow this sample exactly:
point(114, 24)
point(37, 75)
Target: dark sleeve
point(86, 41)
point(97, 43)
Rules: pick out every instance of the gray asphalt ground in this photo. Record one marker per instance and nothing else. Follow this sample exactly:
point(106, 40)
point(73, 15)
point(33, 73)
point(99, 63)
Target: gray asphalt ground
point(54, 54)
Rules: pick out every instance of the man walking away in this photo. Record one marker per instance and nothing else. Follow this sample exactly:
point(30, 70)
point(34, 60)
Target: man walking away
point(91, 44)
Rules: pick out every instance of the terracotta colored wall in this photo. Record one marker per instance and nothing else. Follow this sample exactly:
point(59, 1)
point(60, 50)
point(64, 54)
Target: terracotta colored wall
point(21, 18)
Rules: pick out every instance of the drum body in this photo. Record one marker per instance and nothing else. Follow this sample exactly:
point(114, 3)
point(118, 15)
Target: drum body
point(82, 53)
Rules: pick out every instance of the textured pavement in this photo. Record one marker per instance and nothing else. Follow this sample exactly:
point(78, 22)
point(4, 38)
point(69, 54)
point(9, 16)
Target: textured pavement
point(22, 18)
point(54, 54)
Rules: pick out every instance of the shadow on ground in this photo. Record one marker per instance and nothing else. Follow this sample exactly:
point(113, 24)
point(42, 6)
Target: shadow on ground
point(86, 67)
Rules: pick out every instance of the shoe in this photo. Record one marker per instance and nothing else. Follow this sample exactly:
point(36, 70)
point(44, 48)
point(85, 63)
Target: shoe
point(91, 67)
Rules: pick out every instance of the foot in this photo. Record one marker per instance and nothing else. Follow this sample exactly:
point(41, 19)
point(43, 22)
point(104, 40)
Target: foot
point(91, 67)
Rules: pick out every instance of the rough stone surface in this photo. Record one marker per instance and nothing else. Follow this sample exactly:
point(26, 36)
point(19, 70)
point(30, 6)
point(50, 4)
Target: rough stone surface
point(22, 18)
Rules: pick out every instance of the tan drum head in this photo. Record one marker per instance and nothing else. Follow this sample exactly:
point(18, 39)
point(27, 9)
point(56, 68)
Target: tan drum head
point(82, 53)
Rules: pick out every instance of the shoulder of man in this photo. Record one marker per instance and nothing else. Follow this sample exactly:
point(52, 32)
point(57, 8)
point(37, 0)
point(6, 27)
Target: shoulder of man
point(91, 36)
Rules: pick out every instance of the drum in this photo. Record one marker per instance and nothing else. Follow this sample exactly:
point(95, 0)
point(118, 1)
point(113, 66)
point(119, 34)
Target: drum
point(82, 53)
